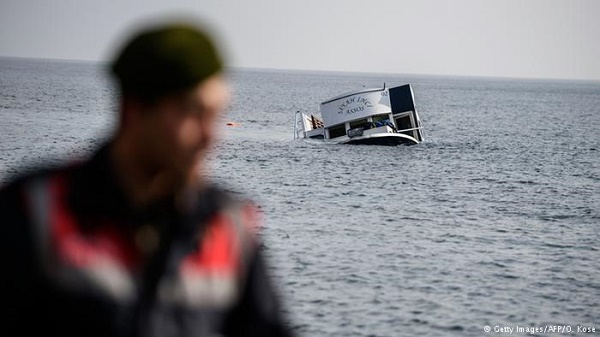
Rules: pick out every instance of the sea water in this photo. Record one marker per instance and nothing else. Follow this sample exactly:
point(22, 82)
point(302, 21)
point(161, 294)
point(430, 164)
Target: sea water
point(491, 224)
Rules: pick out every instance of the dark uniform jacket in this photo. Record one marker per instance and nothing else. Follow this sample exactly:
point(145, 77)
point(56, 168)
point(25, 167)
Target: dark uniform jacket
point(78, 260)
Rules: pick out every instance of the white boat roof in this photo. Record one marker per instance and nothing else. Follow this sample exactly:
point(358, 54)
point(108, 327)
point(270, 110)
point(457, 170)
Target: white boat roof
point(355, 105)
point(352, 93)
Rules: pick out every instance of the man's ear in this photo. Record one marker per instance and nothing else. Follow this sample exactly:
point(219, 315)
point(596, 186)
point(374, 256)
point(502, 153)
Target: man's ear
point(132, 109)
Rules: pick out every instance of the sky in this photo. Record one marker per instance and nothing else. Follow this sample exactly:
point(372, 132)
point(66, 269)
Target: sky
point(553, 39)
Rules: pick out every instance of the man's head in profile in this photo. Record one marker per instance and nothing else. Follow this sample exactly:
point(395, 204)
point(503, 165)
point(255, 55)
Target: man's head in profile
point(172, 93)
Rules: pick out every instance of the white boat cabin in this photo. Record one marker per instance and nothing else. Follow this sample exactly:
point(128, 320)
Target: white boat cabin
point(382, 116)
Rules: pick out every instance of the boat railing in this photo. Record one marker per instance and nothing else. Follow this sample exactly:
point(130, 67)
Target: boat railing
point(316, 122)
point(298, 125)
point(305, 123)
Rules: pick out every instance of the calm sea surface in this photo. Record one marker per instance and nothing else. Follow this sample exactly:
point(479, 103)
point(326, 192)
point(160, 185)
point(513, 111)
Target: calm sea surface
point(493, 221)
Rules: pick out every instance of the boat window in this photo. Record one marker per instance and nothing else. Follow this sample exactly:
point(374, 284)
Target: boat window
point(403, 123)
point(361, 123)
point(381, 120)
point(337, 131)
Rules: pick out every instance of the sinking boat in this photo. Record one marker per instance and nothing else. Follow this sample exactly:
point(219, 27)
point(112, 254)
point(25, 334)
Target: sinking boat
point(380, 116)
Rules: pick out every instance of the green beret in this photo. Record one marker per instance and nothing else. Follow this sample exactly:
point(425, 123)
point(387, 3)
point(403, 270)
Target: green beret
point(165, 60)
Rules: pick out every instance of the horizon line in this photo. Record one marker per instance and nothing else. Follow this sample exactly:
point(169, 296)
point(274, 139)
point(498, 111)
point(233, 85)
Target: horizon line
point(339, 72)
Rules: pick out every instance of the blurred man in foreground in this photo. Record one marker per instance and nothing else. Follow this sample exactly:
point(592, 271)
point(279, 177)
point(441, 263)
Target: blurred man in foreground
point(133, 242)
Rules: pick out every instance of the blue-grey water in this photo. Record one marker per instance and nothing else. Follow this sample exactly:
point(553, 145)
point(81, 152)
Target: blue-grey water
point(494, 220)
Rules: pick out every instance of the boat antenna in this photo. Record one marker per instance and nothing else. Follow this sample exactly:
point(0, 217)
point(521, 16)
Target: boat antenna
point(384, 85)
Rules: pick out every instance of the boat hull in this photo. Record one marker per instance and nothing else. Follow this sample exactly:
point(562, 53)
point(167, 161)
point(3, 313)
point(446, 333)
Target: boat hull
point(387, 139)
